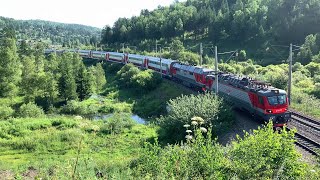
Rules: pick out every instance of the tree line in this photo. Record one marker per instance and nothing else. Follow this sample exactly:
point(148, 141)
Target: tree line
point(67, 35)
point(235, 23)
point(27, 73)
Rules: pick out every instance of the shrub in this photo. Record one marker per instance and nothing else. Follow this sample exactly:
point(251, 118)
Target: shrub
point(125, 74)
point(25, 143)
point(30, 110)
point(78, 108)
point(254, 157)
point(64, 123)
point(112, 68)
point(117, 123)
point(198, 158)
point(251, 157)
point(6, 112)
point(146, 80)
point(183, 108)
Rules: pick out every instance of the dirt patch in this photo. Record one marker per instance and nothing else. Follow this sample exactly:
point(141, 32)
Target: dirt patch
point(6, 175)
point(243, 122)
point(31, 173)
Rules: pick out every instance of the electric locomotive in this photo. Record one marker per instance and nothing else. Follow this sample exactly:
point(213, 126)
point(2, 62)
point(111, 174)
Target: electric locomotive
point(260, 99)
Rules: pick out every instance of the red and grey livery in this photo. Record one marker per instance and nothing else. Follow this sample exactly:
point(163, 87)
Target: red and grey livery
point(258, 98)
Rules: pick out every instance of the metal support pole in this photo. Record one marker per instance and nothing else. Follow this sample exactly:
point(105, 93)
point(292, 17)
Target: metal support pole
point(216, 69)
point(201, 52)
point(290, 74)
point(160, 63)
point(123, 48)
point(156, 48)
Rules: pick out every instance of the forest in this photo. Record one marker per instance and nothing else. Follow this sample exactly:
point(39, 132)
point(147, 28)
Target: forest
point(250, 25)
point(52, 33)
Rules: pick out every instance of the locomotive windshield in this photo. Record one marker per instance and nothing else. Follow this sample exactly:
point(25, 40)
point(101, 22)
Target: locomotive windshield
point(277, 100)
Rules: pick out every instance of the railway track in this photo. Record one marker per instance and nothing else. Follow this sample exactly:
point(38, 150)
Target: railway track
point(308, 134)
point(307, 143)
point(302, 140)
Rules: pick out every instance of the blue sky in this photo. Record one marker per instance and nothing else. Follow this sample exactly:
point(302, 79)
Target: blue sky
point(96, 13)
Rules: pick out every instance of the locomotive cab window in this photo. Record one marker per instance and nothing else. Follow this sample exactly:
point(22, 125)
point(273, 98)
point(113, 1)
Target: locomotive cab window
point(277, 100)
point(260, 100)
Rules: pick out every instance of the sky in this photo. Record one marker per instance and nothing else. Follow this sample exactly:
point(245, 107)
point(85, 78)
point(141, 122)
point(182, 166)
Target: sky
point(97, 13)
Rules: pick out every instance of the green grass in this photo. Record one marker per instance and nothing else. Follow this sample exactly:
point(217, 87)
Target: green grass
point(52, 144)
point(146, 104)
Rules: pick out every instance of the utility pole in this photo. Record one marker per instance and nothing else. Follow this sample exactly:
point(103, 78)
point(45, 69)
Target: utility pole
point(156, 48)
point(216, 69)
point(123, 48)
point(201, 52)
point(290, 74)
point(160, 63)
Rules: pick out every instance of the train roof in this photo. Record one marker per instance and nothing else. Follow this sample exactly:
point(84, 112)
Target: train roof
point(271, 92)
point(115, 53)
point(136, 56)
point(96, 51)
point(260, 87)
point(196, 69)
point(84, 50)
point(163, 60)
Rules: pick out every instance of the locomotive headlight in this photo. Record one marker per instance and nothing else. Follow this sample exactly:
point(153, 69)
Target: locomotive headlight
point(269, 111)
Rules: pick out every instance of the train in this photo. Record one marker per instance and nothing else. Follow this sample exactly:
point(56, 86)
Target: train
point(260, 99)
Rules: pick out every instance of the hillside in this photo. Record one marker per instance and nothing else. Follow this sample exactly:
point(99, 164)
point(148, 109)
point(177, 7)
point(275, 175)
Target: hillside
point(252, 25)
point(69, 35)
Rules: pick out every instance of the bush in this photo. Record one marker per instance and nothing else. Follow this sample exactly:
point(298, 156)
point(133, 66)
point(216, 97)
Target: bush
point(199, 158)
point(251, 157)
point(254, 157)
point(6, 112)
point(64, 123)
point(126, 73)
point(146, 80)
point(183, 108)
point(112, 68)
point(78, 108)
point(30, 110)
point(132, 77)
point(117, 123)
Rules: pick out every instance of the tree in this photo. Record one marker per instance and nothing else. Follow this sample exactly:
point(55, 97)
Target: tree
point(10, 73)
point(314, 68)
point(84, 88)
point(24, 49)
point(107, 34)
point(100, 77)
point(67, 83)
point(242, 55)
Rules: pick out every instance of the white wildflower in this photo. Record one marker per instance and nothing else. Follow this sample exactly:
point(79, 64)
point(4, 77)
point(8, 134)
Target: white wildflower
point(198, 119)
point(186, 125)
point(194, 123)
point(188, 131)
point(78, 117)
point(204, 130)
point(188, 137)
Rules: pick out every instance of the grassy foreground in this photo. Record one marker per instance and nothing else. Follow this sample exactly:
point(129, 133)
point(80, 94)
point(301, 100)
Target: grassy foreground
point(63, 148)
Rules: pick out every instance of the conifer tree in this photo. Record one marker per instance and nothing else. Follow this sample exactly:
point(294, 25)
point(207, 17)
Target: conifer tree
point(10, 73)
point(100, 77)
point(83, 83)
point(67, 83)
